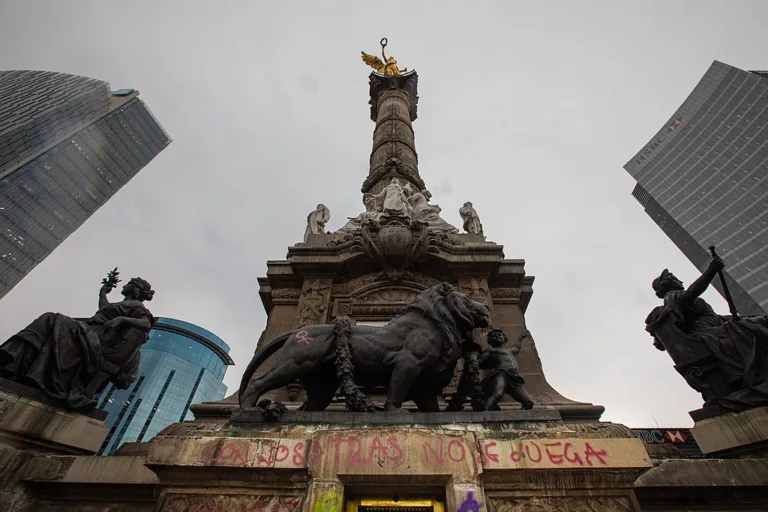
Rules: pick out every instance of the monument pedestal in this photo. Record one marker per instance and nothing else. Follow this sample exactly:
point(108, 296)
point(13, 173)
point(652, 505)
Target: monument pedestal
point(468, 462)
point(734, 434)
point(33, 431)
point(32, 422)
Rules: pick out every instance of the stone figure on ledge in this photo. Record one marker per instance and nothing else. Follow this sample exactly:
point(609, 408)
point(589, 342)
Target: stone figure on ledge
point(723, 358)
point(414, 355)
point(425, 212)
point(393, 199)
point(71, 360)
point(316, 221)
point(504, 375)
point(355, 223)
point(471, 219)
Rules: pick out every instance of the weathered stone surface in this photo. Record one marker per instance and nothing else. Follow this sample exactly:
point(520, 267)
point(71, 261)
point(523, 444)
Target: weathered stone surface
point(563, 453)
point(109, 470)
point(393, 452)
point(204, 502)
point(228, 451)
point(47, 429)
point(705, 484)
point(742, 431)
point(561, 504)
point(415, 418)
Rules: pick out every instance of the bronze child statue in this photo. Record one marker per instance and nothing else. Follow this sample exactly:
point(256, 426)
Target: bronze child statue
point(504, 376)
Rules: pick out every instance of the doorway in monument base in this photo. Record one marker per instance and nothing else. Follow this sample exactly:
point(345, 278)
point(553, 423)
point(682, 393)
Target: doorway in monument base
point(394, 503)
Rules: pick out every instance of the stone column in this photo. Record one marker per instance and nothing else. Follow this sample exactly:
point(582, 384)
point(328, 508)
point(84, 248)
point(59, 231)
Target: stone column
point(393, 108)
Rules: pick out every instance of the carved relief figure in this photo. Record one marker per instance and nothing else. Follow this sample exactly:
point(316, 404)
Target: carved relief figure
point(471, 219)
point(504, 376)
point(393, 199)
point(316, 221)
point(690, 331)
point(66, 358)
point(314, 303)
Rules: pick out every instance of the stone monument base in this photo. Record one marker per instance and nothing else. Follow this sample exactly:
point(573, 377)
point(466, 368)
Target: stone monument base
point(503, 463)
point(734, 434)
point(34, 423)
point(39, 439)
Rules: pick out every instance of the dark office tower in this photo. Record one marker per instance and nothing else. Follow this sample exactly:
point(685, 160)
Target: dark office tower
point(181, 364)
point(67, 144)
point(703, 178)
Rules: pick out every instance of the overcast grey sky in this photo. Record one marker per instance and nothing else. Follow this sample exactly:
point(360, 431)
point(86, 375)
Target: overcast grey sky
point(527, 109)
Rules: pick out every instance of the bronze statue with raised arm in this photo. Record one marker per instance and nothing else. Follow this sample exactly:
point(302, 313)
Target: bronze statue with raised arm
point(725, 358)
point(504, 376)
point(73, 359)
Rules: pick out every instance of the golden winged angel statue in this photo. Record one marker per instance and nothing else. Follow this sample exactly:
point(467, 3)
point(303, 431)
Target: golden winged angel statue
point(388, 67)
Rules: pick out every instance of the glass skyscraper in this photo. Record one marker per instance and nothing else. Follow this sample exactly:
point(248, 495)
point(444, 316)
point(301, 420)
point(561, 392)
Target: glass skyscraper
point(703, 178)
point(67, 144)
point(181, 364)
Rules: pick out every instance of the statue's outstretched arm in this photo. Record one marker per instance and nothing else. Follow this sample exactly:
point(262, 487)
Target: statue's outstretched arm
point(700, 285)
point(517, 347)
point(103, 300)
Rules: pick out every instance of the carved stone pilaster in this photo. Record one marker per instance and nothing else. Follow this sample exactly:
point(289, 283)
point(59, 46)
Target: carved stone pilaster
point(314, 302)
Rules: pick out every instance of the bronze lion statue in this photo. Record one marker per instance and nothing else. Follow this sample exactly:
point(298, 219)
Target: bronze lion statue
point(414, 355)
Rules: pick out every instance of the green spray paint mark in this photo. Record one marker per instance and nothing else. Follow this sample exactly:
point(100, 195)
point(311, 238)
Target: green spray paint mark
point(329, 501)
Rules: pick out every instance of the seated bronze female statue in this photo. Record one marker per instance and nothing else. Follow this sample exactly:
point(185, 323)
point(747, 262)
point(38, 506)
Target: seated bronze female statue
point(71, 360)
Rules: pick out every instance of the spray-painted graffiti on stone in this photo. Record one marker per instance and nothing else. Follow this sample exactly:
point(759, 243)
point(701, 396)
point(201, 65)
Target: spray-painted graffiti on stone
point(223, 503)
point(329, 501)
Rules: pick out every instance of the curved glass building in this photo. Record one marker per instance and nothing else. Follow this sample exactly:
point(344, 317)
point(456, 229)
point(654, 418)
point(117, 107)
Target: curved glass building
point(181, 364)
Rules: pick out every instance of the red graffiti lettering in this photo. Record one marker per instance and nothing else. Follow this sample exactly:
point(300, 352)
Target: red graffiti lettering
point(303, 337)
point(438, 454)
point(456, 456)
point(378, 449)
point(355, 447)
point(494, 456)
point(298, 455)
point(398, 453)
point(590, 452)
point(517, 456)
point(291, 504)
point(574, 458)
point(528, 451)
point(235, 453)
point(554, 458)
point(282, 453)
